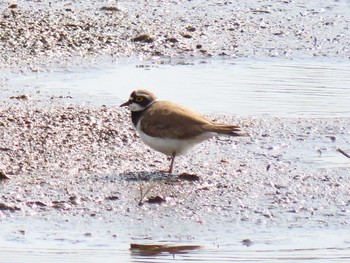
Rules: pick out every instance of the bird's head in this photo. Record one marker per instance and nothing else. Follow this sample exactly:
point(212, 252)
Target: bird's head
point(139, 100)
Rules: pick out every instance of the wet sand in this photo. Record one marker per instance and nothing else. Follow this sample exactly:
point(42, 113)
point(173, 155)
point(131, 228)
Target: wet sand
point(80, 163)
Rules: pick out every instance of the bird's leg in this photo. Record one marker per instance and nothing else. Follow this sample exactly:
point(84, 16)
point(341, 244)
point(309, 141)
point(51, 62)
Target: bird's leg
point(172, 163)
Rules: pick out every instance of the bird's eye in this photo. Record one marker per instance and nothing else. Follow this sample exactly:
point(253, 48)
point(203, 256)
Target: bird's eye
point(139, 99)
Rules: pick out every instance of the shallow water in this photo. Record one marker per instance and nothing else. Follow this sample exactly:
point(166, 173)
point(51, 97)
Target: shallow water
point(68, 242)
point(283, 88)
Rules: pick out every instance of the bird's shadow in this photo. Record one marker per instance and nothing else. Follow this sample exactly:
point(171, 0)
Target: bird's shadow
point(145, 176)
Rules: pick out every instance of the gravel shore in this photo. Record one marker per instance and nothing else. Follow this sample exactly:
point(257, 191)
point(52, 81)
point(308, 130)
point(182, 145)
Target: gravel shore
point(56, 154)
point(39, 34)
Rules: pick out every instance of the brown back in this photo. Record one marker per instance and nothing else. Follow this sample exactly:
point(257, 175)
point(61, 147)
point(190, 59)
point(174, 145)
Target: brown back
point(169, 120)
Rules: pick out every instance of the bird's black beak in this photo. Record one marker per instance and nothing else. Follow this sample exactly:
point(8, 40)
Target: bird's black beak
point(125, 104)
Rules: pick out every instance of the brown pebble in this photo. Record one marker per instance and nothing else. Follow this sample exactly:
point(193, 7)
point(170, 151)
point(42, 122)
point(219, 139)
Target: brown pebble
point(332, 138)
point(186, 35)
point(155, 249)
point(156, 200)
point(247, 242)
point(20, 97)
point(75, 200)
point(190, 29)
point(189, 177)
point(143, 38)
point(172, 40)
point(109, 8)
point(112, 198)
point(10, 208)
point(3, 176)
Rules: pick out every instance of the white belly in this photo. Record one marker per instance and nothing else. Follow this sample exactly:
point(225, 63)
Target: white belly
point(168, 146)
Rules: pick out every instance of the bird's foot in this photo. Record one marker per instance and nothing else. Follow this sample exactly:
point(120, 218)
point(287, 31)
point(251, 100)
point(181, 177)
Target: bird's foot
point(164, 171)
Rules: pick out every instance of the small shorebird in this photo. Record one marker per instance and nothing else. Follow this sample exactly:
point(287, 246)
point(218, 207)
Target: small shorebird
point(170, 128)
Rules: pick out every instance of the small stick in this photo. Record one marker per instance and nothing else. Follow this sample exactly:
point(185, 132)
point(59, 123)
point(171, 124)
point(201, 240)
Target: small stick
point(342, 152)
point(144, 194)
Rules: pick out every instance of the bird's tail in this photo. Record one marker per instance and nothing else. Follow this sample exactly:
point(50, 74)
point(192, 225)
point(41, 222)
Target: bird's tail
point(231, 130)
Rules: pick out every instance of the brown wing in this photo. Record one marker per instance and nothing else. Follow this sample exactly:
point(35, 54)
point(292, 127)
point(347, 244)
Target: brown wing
point(168, 120)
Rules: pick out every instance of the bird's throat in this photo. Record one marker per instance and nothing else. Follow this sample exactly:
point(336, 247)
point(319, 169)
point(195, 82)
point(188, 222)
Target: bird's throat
point(136, 116)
